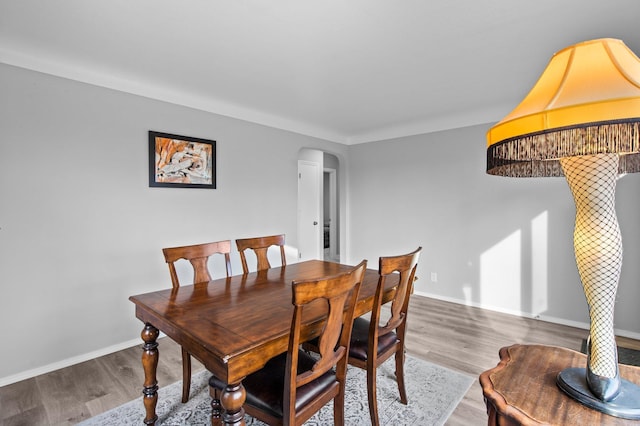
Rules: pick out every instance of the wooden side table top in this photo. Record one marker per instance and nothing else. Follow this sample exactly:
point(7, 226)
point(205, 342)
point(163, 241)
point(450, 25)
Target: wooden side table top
point(522, 390)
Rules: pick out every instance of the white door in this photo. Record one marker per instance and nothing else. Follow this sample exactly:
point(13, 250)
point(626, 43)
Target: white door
point(309, 220)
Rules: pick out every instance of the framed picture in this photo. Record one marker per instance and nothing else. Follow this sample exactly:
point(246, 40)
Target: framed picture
point(181, 161)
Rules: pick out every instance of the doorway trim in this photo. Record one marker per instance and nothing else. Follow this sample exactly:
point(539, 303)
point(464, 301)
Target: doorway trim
point(333, 213)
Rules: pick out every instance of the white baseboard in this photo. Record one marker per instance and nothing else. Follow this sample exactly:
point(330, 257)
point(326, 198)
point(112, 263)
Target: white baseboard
point(555, 320)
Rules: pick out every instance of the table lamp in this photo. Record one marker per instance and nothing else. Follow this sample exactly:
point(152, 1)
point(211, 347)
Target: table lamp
point(582, 120)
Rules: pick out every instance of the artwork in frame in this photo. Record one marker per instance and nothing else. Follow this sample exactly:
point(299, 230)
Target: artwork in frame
point(181, 161)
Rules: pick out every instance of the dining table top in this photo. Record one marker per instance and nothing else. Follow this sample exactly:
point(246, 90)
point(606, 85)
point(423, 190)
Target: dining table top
point(234, 325)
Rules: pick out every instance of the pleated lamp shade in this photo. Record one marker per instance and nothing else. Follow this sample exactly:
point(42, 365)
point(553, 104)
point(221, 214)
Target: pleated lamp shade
point(587, 101)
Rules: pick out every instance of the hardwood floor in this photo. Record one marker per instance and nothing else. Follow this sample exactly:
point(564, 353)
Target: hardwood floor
point(458, 337)
point(468, 339)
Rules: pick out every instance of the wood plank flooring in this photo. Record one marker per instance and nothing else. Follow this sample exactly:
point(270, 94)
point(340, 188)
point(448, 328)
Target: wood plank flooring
point(458, 337)
point(468, 339)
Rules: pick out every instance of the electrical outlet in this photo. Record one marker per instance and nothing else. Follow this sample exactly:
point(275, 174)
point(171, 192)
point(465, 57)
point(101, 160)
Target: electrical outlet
point(434, 277)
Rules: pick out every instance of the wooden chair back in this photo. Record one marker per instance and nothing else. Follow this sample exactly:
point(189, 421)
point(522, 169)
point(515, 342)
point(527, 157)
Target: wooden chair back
point(405, 266)
point(198, 255)
point(260, 245)
point(340, 293)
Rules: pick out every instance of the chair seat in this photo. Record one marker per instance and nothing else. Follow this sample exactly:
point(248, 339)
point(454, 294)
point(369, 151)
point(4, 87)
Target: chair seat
point(265, 388)
point(360, 340)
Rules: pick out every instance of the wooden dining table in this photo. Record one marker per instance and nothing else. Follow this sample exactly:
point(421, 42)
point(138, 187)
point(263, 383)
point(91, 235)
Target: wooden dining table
point(235, 325)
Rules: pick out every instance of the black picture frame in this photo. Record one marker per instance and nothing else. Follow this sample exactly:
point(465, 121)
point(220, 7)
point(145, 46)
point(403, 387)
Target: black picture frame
point(177, 161)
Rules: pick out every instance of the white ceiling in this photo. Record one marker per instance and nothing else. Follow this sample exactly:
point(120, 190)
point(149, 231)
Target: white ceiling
point(349, 71)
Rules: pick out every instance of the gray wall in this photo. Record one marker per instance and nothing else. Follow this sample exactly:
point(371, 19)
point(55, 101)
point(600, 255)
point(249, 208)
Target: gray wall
point(502, 243)
point(81, 231)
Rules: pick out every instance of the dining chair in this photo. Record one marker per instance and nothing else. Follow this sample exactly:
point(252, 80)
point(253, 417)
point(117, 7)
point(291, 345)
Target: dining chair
point(293, 386)
point(373, 343)
point(198, 255)
point(260, 245)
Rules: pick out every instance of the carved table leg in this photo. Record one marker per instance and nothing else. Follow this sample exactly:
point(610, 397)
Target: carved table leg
point(150, 364)
point(232, 399)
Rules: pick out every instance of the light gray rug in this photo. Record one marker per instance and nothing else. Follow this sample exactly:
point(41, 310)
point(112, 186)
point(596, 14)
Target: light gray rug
point(433, 391)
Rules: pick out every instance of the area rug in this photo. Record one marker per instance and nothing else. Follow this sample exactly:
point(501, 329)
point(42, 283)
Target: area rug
point(626, 356)
point(433, 391)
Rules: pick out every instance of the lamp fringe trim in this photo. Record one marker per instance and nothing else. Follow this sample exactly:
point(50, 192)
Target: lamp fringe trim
point(537, 155)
